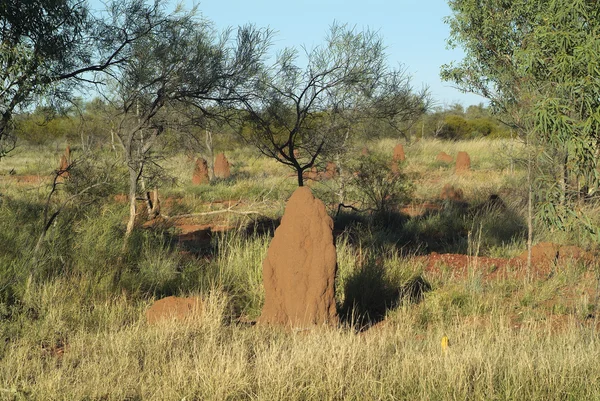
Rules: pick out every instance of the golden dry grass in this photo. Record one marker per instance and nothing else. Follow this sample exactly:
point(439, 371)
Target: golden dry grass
point(69, 332)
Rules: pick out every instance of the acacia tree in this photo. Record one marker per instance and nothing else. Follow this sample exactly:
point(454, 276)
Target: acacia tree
point(181, 63)
point(537, 63)
point(48, 48)
point(295, 114)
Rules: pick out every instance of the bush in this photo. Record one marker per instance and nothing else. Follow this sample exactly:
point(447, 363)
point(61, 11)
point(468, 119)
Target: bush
point(379, 184)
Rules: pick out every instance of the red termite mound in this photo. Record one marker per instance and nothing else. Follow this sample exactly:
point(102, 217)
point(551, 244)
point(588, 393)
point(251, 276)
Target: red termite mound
point(221, 166)
point(330, 171)
point(200, 172)
point(463, 162)
point(548, 252)
point(399, 155)
point(65, 162)
point(299, 270)
point(173, 308)
point(63, 168)
point(312, 174)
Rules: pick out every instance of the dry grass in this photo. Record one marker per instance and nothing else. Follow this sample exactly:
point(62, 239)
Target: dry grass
point(206, 359)
point(69, 329)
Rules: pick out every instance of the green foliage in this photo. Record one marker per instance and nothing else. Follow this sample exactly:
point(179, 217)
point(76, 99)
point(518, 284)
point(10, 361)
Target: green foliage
point(379, 185)
point(455, 127)
point(481, 127)
point(315, 110)
point(39, 128)
point(537, 63)
point(454, 123)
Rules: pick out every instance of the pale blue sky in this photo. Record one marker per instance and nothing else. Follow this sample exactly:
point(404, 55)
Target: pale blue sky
point(413, 31)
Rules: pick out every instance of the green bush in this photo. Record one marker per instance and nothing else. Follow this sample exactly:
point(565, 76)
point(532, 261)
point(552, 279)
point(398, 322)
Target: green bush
point(378, 184)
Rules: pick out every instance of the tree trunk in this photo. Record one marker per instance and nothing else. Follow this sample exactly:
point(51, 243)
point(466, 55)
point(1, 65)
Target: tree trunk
point(564, 178)
point(133, 179)
point(112, 140)
point(155, 211)
point(300, 177)
point(529, 209)
point(211, 155)
point(147, 198)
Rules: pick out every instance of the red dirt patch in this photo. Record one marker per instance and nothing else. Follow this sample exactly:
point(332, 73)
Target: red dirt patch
point(460, 265)
point(31, 179)
point(121, 198)
point(550, 253)
point(444, 157)
point(173, 308)
point(543, 262)
point(417, 210)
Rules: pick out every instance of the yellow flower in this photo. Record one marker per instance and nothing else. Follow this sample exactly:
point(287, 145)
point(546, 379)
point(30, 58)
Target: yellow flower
point(445, 344)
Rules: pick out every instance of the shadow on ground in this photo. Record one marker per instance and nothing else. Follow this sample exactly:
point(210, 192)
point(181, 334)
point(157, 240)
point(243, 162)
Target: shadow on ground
point(370, 294)
point(444, 227)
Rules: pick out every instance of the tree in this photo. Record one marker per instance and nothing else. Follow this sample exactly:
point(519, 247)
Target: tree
point(180, 62)
point(296, 114)
point(537, 63)
point(49, 48)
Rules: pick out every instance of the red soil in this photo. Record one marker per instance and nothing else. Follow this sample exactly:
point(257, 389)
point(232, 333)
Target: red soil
point(545, 256)
point(30, 179)
point(444, 157)
point(415, 210)
point(173, 308)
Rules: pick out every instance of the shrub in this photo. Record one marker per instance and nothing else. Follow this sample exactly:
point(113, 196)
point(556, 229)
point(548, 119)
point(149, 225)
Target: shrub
point(377, 185)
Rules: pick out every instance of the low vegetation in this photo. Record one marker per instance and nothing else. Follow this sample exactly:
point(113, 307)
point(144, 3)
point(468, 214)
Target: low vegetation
point(72, 319)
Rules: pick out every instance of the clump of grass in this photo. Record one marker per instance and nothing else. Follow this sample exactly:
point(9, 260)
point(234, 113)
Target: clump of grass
point(239, 270)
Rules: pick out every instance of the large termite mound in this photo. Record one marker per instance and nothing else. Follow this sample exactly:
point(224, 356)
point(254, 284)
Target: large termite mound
point(200, 172)
point(173, 308)
point(299, 270)
point(399, 153)
point(221, 166)
point(398, 157)
point(463, 162)
point(65, 163)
